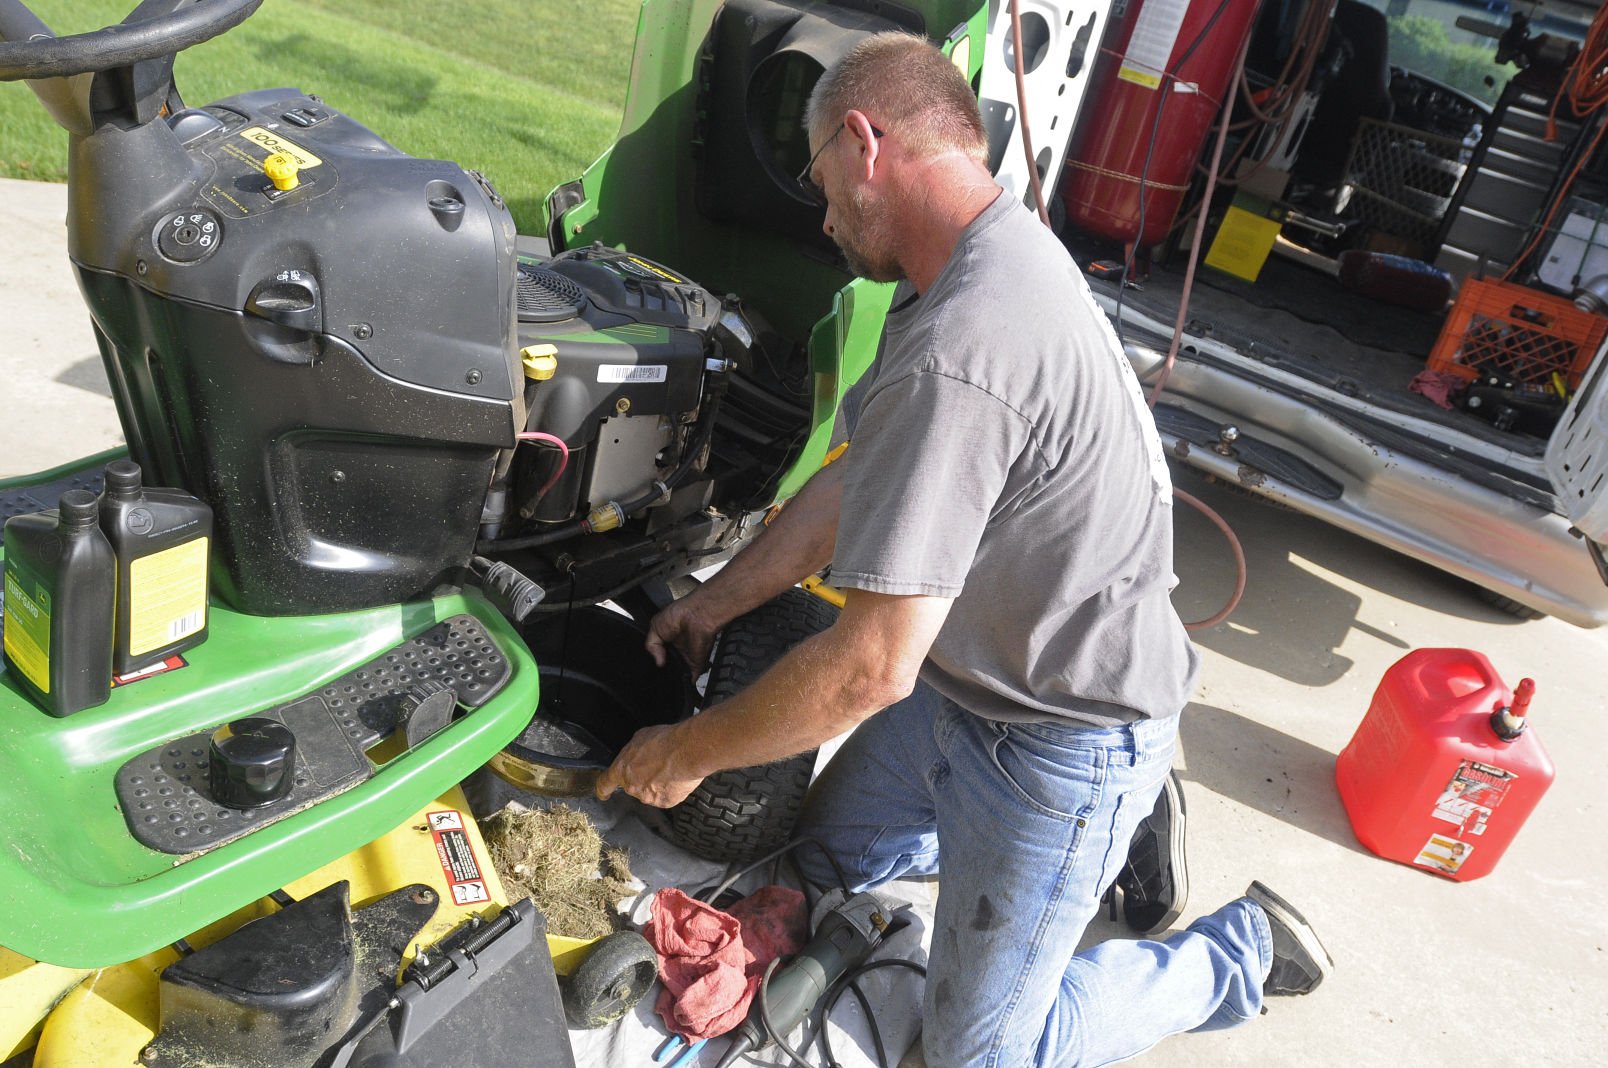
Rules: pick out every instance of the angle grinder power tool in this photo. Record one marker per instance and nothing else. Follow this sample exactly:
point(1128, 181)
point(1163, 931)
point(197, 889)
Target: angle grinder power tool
point(843, 940)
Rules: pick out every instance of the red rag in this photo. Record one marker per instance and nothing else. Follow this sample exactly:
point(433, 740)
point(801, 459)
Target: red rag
point(710, 961)
point(1438, 386)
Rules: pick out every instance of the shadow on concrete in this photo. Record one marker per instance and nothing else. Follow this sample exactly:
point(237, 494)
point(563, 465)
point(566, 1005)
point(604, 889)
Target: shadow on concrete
point(1292, 780)
point(1294, 618)
point(88, 374)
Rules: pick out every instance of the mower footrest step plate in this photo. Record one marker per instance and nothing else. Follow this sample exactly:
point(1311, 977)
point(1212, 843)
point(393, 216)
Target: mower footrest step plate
point(25, 500)
point(165, 794)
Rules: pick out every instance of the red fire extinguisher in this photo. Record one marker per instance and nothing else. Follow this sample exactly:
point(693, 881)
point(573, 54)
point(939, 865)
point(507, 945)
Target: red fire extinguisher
point(1174, 57)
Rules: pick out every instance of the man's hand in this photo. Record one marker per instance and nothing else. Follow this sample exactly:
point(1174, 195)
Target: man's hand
point(649, 768)
point(683, 626)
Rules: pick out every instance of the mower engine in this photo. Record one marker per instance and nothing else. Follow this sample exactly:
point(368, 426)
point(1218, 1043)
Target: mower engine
point(335, 345)
point(626, 362)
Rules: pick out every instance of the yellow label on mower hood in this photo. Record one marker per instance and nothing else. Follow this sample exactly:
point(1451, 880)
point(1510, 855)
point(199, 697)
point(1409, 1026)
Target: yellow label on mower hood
point(274, 143)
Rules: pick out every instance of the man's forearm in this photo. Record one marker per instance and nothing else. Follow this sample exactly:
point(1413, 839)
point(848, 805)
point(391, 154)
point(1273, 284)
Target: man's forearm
point(864, 662)
point(819, 690)
point(798, 543)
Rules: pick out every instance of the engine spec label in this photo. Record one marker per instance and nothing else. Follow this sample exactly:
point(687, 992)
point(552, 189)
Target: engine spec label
point(457, 856)
point(625, 372)
point(271, 141)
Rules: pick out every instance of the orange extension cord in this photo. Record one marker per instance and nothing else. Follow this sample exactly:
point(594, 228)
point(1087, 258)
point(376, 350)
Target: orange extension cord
point(1586, 87)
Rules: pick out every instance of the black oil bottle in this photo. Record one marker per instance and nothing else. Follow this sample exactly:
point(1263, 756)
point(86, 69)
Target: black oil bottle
point(163, 540)
point(61, 584)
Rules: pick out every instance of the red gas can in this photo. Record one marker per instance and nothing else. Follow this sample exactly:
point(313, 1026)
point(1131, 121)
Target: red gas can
point(1442, 772)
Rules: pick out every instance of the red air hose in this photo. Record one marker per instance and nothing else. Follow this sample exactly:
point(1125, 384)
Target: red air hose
point(1183, 300)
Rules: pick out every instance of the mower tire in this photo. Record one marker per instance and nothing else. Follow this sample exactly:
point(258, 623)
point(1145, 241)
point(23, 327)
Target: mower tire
point(610, 981)
point(738, 815)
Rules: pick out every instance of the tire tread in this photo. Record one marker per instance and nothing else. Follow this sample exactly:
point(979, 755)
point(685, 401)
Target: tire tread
point(736, 815)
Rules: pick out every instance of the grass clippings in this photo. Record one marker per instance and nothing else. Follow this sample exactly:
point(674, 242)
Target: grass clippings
point(555, 857)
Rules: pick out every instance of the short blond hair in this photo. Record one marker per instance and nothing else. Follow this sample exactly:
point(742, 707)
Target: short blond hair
point(903, 83)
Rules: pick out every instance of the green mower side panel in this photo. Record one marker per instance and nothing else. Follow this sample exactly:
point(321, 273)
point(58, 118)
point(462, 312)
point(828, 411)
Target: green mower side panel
point(81, 891)
point(643, 194)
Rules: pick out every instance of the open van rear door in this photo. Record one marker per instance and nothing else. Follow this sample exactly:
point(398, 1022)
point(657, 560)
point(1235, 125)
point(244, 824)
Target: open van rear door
point(1577, 462)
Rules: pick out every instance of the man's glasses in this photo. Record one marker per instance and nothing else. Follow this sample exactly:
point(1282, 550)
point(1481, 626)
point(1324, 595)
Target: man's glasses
point(812, 192)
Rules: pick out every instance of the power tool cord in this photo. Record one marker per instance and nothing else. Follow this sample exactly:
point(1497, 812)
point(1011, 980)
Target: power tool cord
point(848, 982)
point(731, 880)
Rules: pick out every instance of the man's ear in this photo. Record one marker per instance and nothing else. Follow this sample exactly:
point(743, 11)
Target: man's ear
point(867, 146)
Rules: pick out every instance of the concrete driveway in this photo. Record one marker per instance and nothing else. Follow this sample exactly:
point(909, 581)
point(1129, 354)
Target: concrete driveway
point(1508, 969)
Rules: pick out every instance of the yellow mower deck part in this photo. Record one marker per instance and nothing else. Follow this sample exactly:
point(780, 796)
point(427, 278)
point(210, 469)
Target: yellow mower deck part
point(830, 594)
point(112, 1016)
point(568, 952)
point(28, 991)
point(281, 170)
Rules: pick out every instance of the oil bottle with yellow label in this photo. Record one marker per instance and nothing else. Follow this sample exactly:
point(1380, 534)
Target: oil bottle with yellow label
point(60, 581)
point(162, 539)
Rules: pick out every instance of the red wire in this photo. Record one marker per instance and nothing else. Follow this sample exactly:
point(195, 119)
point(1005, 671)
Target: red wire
point(563, 457)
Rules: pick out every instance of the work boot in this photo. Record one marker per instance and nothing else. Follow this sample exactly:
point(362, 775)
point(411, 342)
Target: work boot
point(1300, 962)
point(1155, 878)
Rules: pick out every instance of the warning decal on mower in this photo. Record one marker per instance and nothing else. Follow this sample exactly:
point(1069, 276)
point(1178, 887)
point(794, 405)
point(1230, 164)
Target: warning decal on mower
point(161, 667)
point(457, 857)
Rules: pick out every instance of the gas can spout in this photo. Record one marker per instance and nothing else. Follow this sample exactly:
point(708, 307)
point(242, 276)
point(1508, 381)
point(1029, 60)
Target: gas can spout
point(1509, 722)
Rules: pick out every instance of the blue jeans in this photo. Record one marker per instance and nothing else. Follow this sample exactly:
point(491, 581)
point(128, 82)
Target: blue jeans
point(1030, 823)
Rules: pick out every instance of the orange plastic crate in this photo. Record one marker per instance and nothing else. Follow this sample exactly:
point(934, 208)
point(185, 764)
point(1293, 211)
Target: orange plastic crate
point(1510, 330)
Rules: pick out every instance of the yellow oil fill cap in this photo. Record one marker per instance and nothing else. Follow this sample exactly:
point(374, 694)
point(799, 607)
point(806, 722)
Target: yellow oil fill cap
point(281, 170)
point(541, 361)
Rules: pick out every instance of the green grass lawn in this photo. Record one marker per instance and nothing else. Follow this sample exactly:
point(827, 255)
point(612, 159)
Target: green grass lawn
point(527, 91)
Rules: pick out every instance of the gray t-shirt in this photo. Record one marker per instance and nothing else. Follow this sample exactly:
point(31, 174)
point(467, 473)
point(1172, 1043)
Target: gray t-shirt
point(1002, 455)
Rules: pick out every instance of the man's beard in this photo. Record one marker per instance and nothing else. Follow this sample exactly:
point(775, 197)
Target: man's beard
point(865, 239)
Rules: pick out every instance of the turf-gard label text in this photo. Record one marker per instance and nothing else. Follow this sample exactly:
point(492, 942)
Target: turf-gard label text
point(27, 627)
point(167, 596)
point(273, 143)
point(457, 856)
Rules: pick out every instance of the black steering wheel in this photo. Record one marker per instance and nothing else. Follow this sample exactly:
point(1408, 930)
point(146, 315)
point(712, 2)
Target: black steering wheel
point(32, 51)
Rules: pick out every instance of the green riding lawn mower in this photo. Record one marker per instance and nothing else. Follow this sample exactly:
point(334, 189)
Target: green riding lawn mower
point(430, 450)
